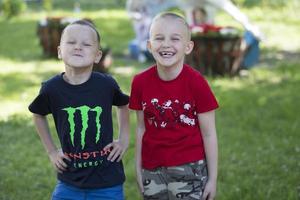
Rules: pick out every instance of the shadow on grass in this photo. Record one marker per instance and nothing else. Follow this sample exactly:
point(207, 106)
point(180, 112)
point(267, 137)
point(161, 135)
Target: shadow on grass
point(271, 56)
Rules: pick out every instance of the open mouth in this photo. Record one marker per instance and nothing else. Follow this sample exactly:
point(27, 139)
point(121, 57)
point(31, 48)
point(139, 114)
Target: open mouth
point(166, 54)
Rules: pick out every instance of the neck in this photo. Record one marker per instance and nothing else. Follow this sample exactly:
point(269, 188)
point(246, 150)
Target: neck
point(77, 76)
point(169, 73)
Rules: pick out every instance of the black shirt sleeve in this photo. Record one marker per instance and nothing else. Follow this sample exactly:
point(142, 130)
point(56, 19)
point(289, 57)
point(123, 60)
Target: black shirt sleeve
point(119, 98)
point(40, 105)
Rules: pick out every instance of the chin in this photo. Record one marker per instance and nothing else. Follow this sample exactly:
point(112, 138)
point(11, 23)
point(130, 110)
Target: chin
point(80, 65)
point(168, 64)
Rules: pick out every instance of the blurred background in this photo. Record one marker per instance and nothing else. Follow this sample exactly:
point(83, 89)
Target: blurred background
point(258, 121)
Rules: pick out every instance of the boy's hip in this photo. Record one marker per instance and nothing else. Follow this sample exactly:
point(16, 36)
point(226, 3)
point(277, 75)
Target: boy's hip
point(65, 191)
point(183, 181)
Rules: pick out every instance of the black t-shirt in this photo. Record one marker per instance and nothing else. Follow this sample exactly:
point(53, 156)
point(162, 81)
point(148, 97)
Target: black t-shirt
point(83, 119)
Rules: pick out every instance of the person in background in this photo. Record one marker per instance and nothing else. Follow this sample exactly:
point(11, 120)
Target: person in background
point(141, 20)
point(212, 6)
point(147, 9)
point(249, 47)
point(141, 13)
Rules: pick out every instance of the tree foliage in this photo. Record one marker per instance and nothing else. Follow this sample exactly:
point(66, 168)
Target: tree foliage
point(12, 8)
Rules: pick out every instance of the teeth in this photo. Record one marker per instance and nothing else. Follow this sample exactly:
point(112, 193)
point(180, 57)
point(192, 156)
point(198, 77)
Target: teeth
point(167, 53)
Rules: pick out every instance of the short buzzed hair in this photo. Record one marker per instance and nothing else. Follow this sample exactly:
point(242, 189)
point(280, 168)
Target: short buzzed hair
point(173, 15)
point(85, 23)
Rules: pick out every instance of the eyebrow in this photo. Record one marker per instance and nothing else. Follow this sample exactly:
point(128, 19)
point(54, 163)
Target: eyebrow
point(174, 34)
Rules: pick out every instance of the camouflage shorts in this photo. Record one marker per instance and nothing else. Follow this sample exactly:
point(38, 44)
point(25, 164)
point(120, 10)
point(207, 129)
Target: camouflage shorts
point(179, 182)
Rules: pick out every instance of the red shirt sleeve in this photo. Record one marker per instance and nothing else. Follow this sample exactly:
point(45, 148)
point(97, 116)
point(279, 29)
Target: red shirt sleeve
point(205, 99)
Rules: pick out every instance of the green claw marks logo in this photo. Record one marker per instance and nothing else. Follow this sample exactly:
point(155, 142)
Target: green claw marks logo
point(84, 110)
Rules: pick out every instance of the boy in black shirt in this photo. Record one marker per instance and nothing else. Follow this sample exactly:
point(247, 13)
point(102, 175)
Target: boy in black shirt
point(89, 161)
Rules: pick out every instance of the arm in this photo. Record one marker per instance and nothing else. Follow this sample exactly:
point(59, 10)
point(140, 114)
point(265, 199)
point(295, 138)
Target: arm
point(209, 135)
point(138, 148)
point(120, 146)
point(56, 155)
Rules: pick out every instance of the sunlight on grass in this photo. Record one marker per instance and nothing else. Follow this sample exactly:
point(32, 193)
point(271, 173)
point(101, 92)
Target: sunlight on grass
point(11, 66)
point(21, 81)
point(255, 77)
point(10, 108)
point(124, 70)
point(280, 30)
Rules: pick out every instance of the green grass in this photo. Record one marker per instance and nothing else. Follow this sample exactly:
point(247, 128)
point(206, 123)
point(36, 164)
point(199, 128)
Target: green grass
point(258, 122)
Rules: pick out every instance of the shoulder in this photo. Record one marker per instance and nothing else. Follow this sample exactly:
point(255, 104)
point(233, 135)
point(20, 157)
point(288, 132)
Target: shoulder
point(104, 80)
point(145, 75)
point(192, 73)
point(102, 77)
point(52, 83)
point(195, 79)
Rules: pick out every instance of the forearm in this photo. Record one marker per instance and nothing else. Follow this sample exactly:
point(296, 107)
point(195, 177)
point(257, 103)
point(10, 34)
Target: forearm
point(138, 148)
point(209, 135)
point(123, 117)
point(43, 131)
point(211, 152)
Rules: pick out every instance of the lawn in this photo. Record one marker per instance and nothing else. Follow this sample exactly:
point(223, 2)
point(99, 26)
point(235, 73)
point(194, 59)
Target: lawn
point(258, 121)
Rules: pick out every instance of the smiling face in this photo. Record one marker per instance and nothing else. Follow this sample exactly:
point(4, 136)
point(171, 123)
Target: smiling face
point(169, 41)
point(79, 47)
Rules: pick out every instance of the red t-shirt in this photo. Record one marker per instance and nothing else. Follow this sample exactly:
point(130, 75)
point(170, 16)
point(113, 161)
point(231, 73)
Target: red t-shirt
point(172, 136)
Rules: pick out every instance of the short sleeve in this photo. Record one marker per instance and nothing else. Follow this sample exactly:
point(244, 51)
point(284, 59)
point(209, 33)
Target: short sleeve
point(205, 99)
point(119, 98)
point(40, 105)
point(135, 100)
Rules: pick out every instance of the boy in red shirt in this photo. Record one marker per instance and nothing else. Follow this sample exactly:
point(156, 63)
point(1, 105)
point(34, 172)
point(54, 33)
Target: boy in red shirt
point(176, 141)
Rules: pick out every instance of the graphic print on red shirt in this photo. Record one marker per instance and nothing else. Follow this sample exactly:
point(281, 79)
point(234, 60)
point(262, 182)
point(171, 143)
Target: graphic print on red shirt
point(168, 113)
point(172, 131)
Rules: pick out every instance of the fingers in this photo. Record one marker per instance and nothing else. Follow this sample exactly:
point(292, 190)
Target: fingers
point(117, 151)
point(58, 161)
point(66, 157)
point(205, 195)
point(60, 165)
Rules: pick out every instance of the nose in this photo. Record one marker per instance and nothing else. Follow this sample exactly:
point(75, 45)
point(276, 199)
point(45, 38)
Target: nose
point(166, 43)
point(78, 46)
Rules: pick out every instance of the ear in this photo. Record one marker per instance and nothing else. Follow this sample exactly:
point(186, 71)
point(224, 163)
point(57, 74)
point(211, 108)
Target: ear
point(189, 47)
point(98, 56)
point(149, 46)
point(58, 52)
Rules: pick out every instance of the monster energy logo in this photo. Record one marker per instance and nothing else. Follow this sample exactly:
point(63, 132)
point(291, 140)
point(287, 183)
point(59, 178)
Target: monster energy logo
point(84, 110)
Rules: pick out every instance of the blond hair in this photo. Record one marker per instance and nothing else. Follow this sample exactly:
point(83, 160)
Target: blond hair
point(172, 15)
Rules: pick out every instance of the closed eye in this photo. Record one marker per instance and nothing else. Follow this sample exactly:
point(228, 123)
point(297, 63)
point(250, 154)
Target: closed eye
point(159, 38)
point(70, 42)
